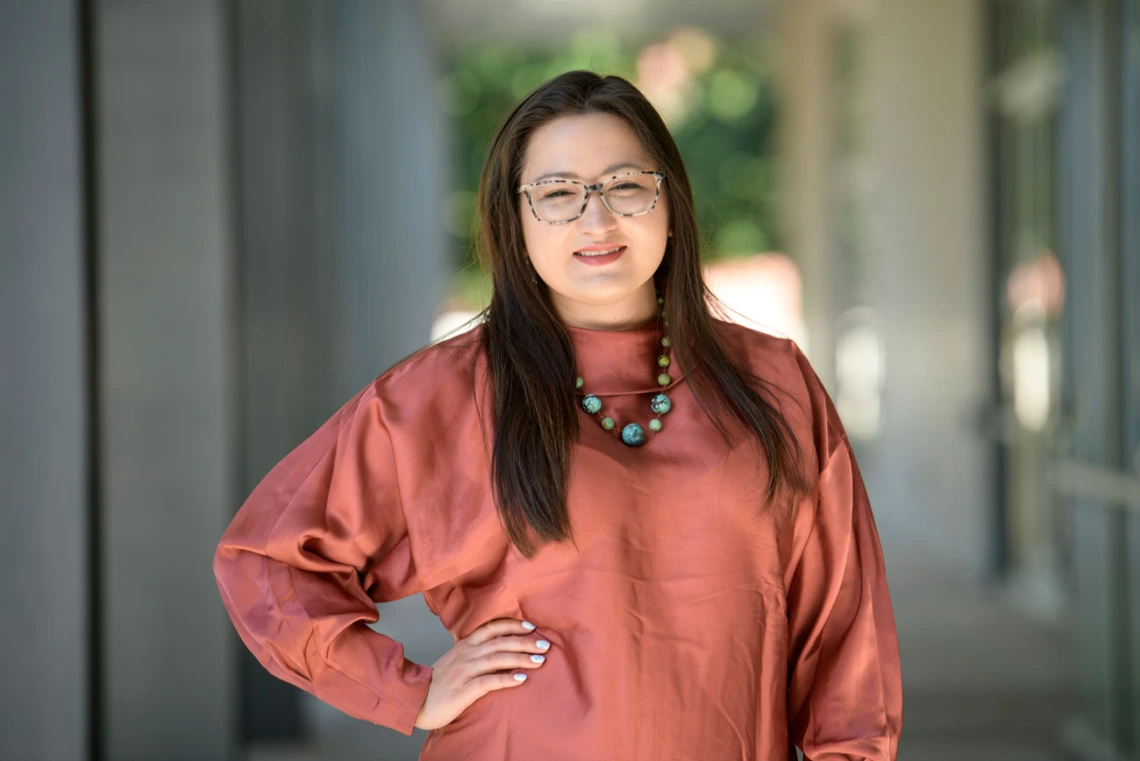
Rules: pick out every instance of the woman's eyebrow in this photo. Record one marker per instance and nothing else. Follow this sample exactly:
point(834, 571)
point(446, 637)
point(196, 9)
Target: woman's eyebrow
point(607, 170)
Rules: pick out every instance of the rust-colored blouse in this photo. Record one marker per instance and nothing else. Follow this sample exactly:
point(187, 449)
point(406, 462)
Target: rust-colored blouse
point(689, 623)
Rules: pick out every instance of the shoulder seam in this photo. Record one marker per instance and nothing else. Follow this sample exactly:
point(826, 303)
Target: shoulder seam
point(424, 352)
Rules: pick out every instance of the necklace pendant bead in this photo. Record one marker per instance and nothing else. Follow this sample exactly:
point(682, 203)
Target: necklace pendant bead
point(633, 435)
point(591, 404)
point(660, 404)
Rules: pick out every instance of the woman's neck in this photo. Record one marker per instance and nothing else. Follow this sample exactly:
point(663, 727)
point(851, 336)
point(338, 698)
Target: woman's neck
point(638, 310)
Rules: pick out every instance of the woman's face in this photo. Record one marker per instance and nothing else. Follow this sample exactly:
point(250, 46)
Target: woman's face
point(591, 148)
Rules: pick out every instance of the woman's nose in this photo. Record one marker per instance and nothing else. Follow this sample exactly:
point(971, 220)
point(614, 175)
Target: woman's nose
point(596, 215)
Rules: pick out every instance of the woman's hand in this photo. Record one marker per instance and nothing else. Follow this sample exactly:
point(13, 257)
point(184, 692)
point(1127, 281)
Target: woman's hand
point(487, 659)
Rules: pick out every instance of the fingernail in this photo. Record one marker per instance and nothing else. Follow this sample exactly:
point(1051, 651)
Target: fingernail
point(538, 658)
point(543, 644)
point(528, 626)
point(520, 677)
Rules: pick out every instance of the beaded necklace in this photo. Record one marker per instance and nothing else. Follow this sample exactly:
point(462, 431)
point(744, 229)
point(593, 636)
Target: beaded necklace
point(633, 434)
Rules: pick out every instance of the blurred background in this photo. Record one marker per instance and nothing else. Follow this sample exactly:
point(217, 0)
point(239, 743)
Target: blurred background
point(220, 219)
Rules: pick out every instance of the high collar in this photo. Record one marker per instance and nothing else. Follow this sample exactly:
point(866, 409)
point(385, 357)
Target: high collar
point(615, 362)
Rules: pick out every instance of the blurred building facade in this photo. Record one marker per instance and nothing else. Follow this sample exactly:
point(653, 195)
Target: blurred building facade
point(992, 151)
point(222, 220)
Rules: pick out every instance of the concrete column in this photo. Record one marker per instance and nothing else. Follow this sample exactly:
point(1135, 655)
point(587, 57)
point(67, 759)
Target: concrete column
point(807, 123)
point(164, 311)
point(390, 162)
point(924, 267)
point(45, 657)
point(927, 271)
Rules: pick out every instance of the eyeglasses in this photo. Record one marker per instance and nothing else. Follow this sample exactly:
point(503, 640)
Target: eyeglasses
point(557, 202)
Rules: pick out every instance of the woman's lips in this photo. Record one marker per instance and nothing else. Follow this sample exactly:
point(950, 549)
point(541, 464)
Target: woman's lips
point(603, 259)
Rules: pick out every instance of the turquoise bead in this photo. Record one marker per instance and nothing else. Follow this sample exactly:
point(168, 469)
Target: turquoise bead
point(633, 434)
point(578, 382)
point(591, 404)
point(660, 404)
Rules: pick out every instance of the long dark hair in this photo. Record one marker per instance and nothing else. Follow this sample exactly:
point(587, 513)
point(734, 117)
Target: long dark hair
point(529, 352)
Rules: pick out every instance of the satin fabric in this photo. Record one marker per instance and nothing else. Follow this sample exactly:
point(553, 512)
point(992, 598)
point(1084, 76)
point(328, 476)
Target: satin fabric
point(689, 622)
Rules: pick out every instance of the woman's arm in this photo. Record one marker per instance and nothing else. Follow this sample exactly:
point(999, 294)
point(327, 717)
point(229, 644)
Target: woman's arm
point(845, 680)
point(318, 542)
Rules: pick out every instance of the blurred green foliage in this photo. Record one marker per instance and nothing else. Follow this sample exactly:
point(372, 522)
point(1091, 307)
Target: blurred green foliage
point(719, 105)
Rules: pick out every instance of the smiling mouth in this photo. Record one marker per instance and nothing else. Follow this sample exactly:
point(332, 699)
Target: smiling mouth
point(607, 252)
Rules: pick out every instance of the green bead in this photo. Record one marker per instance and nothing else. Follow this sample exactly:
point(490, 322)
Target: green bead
point(591, 403)
point(655, 425)
point(578, 383)
point(663, 360)
point(662, 312)
point(608, 423)
point(663, 379)
point(666, 341)
point(660, 299)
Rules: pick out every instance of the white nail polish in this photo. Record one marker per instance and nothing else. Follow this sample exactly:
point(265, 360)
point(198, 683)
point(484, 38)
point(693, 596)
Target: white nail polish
point(528, 626)
point(520, 677)
point(543, 644)
point(538, 658)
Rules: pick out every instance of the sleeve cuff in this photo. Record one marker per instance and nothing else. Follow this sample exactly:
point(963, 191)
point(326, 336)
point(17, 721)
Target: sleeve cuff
point(405, 698)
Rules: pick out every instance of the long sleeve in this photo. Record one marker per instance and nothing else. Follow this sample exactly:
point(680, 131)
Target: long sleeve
point(319, 541)
point(845, 680)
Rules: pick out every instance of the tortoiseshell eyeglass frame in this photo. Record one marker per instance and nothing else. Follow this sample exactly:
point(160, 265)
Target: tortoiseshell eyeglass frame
point(597, 186)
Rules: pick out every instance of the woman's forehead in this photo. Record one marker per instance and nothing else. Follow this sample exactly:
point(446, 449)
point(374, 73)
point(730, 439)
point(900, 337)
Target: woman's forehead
point(583, 147)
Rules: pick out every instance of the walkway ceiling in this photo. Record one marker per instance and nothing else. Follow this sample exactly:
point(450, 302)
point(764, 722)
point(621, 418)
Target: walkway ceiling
point(462, 23)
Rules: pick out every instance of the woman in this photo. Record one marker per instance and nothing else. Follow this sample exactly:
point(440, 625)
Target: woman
point(642, 524)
